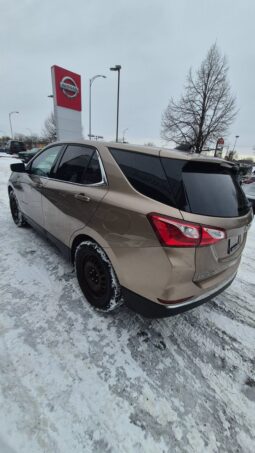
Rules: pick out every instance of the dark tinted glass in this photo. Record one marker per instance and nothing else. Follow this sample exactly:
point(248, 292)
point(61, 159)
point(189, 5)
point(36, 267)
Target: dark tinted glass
point(74, 163)
point(205, 189)
point(93, 173)
point(17, 146)
point(22, 146)
point(44, 163)
point(145, 173)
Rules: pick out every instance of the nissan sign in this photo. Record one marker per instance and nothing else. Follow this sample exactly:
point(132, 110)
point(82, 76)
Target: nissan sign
point(69, 87)
point(66, 88)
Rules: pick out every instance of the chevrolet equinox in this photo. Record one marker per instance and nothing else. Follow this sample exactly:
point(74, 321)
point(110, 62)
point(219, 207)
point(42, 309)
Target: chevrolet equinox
point(161, 229)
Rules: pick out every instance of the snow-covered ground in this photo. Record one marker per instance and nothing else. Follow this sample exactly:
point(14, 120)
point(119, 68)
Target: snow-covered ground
point(73, 380)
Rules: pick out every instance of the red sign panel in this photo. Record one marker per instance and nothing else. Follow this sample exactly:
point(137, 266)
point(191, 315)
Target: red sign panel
point(221, 141)
point(67, 88)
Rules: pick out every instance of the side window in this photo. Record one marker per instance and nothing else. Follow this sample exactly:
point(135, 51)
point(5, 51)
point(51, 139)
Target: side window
point(93, 173)
point(44, 163)
point(145, 174)
point(74, 163)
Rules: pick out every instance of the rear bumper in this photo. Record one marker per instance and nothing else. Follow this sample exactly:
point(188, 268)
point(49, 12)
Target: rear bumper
point(151, 309)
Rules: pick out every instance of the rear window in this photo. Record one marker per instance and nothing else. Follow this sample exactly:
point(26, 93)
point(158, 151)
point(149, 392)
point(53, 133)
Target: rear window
point(208, 189)
point(196, 187)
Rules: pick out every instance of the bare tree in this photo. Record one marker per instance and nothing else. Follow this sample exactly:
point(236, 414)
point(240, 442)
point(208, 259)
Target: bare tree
point(207, 107)
point(49, 131)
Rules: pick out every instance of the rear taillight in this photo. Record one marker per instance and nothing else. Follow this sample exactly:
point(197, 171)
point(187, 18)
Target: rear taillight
point(178, 233)
point(211, 235)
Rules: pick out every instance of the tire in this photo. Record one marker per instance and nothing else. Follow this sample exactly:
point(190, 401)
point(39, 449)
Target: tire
point(96, 277)
point(16, 213)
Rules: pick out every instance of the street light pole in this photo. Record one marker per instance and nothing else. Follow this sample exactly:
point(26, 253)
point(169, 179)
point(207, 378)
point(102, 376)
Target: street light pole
point(237, 136)
point(123, 134)
point(117, 67)
point(10, 120)
point(28, 128)
point(90, 84)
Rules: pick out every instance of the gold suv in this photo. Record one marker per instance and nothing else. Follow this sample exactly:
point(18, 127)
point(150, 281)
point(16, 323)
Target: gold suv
point(161, 229)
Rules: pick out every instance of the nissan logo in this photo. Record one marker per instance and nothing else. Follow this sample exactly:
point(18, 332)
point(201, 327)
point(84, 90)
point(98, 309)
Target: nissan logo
point(69, 87)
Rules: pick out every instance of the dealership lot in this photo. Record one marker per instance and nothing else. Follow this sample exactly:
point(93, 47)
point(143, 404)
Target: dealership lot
point(75, 380)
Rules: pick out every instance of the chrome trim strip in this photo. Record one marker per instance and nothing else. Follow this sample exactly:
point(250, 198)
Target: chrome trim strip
point(201, 297)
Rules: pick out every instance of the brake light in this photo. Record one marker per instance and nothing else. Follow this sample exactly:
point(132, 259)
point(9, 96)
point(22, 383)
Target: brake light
point(178, 233)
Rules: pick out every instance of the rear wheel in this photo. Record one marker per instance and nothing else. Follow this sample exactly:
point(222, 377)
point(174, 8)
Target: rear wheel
point(16, 213)
point(96, 277)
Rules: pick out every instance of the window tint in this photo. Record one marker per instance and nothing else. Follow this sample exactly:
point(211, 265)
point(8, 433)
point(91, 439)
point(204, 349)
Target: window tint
point(145, 173)
point(173, 169)
point(93, 173)
point(205, 189)
point(74, 163)
point(44, 163)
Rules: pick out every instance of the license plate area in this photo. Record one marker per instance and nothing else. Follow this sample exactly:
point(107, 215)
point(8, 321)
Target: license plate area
point(233, 244)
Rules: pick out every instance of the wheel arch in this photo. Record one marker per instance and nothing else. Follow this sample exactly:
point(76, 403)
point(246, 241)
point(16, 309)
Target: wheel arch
point(108, 250)
point(77, 241)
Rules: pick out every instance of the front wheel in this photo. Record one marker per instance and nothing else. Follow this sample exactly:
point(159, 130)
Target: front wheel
point(96, 277)
point(16, 213)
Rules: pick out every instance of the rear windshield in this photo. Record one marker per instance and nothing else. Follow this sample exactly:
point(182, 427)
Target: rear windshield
point(201, 188)
point(207, 188)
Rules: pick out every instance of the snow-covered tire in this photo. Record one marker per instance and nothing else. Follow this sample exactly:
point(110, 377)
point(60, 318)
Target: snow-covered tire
point(16, 213)
point(96, 277)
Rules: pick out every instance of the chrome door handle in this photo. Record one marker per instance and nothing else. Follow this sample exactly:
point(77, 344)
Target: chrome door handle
point(39, 185)
point(82, 197)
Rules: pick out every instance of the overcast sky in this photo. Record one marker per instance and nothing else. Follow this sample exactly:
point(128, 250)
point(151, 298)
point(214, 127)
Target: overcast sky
point(155, 41)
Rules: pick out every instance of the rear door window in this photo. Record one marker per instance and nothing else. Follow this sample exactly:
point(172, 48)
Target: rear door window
point(93, 173)
point(74, 163)
point(79, 165)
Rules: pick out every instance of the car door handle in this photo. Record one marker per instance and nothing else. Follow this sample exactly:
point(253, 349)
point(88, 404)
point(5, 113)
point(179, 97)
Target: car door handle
point(39, 185)
point(82, 197)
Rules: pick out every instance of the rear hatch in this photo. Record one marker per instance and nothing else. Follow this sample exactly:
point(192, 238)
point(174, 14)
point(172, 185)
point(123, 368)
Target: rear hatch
point(207, 192)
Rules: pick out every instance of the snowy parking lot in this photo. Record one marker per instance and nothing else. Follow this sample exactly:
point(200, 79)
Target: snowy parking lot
point(74, 380)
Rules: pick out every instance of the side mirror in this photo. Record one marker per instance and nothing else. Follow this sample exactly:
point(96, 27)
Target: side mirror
point(18, 168)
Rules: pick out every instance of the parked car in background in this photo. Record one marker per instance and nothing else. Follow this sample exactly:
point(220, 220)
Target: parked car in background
point(15, 146)
point(249, 190)
point(163, 229)
point(27, 155)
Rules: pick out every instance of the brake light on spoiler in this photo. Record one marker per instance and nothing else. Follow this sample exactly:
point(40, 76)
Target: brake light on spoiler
point(178, 233)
